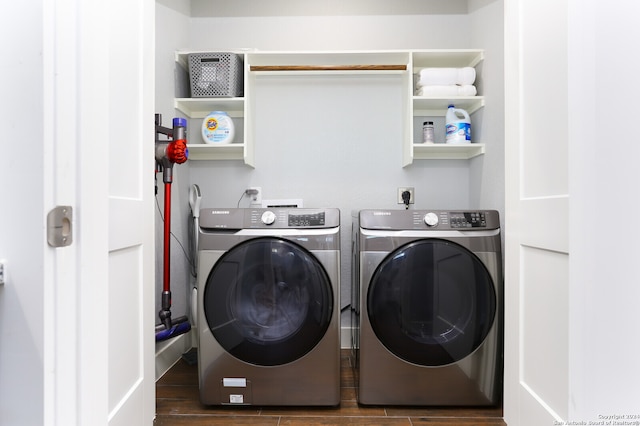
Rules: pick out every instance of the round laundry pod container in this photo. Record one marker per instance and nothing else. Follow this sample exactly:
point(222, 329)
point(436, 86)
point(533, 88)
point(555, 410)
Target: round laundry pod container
point(217, 128)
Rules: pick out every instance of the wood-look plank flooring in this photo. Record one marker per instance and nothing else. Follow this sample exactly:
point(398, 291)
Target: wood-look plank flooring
point(177, 404)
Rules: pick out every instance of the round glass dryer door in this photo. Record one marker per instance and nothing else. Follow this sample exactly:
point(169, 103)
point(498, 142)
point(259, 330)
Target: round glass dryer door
point(431, 302)
point(268, 301)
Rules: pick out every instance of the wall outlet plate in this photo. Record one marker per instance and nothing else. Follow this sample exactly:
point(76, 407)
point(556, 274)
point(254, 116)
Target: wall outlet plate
point(255, 195)
point(412, 195)
point(3, 271)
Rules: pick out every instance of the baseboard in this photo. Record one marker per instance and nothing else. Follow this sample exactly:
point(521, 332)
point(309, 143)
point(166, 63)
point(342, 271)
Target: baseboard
point(170, 351)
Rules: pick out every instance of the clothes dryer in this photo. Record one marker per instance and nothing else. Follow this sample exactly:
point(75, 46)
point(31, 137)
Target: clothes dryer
point(268, 306)
point(428, 291)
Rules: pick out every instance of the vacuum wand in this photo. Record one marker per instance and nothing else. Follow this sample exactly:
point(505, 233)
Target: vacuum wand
point(169, 152)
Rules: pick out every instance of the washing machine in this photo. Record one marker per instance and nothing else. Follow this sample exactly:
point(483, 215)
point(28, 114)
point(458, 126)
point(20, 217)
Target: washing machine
point(428, 314)
point(268, 306)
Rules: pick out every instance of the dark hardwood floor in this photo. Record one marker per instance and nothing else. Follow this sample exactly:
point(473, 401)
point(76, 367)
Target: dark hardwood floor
point(177, 404)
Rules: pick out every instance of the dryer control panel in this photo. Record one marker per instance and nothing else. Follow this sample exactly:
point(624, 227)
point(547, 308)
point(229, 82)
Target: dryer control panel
point(456, 220)
point(468, 220)
point(429, 219)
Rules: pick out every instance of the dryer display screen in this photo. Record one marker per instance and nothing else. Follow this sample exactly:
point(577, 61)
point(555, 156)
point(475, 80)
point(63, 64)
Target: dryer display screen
point(468, 220)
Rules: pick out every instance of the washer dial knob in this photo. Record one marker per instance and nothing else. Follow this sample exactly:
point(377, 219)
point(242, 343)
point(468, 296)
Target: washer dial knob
point(431, 219)
point(268, 217)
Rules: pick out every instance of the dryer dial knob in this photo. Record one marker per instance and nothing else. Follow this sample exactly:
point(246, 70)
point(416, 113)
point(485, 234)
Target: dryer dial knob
point(268, 217)
point(431, 219)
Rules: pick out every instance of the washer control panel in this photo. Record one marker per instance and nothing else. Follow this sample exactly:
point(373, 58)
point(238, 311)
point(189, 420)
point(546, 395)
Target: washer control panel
point(288, 218)
point(298, 220)
point(274, 218)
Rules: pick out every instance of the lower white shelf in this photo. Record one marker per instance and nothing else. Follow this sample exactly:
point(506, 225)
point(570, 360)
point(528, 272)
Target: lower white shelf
point(201, 151)
point(443, 151)
point(431, 106)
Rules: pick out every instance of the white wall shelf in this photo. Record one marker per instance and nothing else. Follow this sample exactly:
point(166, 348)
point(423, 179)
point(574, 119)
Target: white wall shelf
point(425, 106)
point(449, 58)
point(442, 151)
point(428, 106)
point(202, 151)
point(201, 107)
point(328, 58)
point(354, 62)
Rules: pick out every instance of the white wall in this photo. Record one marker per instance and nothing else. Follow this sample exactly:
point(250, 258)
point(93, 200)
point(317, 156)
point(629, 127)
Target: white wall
point(351, 183)
point(22, 307)
point(308, 26)
point(244, 8)
point(486, 180)
point(172, 29)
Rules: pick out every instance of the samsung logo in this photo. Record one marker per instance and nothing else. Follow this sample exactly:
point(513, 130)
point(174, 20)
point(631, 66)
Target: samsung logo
point(219, 211)
point(382, 213)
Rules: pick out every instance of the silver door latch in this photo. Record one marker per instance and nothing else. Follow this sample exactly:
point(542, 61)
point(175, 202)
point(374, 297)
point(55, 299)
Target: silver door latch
point(59, 226)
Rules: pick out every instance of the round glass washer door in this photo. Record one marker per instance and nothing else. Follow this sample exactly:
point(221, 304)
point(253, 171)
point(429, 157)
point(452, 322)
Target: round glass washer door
point(268, 301)
point(431, 302)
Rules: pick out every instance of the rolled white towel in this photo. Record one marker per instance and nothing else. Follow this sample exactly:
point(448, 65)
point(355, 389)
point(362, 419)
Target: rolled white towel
point(446, 76)
point(443, 91)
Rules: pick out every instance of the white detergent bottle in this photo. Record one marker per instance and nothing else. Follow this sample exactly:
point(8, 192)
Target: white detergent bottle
point(458, 125)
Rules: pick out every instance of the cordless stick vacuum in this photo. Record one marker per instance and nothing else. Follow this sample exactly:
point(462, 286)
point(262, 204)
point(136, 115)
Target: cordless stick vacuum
point(168, 153)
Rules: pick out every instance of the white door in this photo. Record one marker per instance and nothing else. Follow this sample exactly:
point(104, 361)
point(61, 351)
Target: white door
point(129, 107)
point(114, 211)
point(537, 212)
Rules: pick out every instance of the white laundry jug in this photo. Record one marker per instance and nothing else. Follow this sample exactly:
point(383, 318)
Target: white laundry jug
point(458, 125)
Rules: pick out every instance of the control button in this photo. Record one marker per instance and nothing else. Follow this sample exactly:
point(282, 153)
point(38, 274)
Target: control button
point(431, 219)
point(268, 217)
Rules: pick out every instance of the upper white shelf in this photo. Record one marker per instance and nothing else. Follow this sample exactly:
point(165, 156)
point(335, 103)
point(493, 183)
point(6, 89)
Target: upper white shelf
point(450, 58)
point(201, 107)
point(327, 58)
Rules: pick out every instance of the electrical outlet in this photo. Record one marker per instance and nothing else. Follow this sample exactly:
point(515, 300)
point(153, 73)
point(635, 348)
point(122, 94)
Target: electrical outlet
point(255, 195)
point(412, 195)
point(3, 271)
